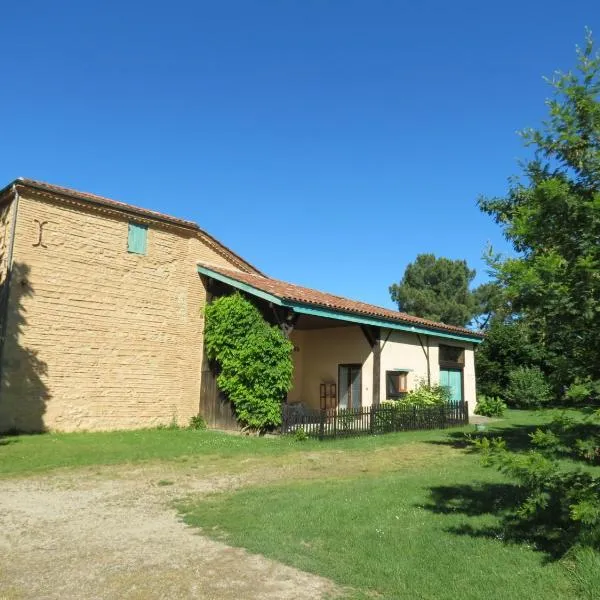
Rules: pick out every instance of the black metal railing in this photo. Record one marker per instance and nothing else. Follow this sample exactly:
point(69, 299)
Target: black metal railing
point(371, 420)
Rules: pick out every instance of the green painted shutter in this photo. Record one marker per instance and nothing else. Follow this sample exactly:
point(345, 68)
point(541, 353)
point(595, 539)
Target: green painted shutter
point(452, 379)
point(137, 238)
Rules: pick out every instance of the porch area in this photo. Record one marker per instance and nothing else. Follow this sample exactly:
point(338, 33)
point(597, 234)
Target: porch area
point(349, 357)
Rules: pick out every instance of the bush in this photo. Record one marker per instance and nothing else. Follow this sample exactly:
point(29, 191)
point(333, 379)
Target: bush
point(426, 395)
point(583, 390)
point(527, 388)
point(197, 422)
point(300, 435)
point(488, 406)
point(578, 391)
point(384, 419)
point(254, 358)
point(560, 505)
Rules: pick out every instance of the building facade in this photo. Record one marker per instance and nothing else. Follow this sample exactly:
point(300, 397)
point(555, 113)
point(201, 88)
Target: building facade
point(101, 308)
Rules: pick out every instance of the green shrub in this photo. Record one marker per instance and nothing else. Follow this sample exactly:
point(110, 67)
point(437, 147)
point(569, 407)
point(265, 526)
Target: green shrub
point(560, 507)
point(583, 390)
point(254, 358)
point(384, 419)
point(300, 435)
point(197, 422)
point(426, 394)
point(527, 388)
point(489, 406)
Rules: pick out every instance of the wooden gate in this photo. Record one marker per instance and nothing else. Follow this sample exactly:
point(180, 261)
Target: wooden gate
point(216, 409)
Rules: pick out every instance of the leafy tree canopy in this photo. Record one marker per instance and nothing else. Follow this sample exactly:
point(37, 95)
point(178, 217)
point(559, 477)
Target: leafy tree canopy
point(552, 217)
point(438, 289)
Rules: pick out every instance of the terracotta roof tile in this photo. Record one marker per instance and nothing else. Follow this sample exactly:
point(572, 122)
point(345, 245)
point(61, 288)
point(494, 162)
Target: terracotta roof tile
point(304, 295)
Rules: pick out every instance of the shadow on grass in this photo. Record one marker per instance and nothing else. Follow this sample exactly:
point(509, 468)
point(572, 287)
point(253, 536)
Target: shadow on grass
point(500, 500)
point(517, 437)
point(546, 529)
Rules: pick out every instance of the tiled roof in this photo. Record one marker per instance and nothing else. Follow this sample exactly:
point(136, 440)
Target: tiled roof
point(135, 210)
point(303, 295)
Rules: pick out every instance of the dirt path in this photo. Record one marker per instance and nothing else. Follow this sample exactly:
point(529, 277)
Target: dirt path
point(112, 533)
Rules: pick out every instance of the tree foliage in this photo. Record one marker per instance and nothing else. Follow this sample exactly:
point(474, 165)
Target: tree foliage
point(508, 344)
point(560, 507)
point(552, 217)
point(438, 289)
point(528, 388)
point(552, 284)
point(254, 360)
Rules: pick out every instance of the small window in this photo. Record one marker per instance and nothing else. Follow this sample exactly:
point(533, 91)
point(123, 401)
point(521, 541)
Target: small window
point(137, 239)
point(452, 355)
point(396, 384)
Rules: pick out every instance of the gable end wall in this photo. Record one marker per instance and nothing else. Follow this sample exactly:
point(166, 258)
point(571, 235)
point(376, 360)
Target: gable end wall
point(98, 338)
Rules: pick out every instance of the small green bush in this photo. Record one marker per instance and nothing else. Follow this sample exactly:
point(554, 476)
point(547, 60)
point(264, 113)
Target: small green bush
point(490, 406)
point(527, 388)
point(384, 419)
point(300, 435)
point(197, 422)
point(578, 392)
point(426, 394)
point(582, 391)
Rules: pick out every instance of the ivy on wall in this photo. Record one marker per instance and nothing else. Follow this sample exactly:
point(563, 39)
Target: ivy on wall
point(254, 359)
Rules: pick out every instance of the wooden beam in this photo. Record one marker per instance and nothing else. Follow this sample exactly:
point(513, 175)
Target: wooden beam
point(373, 336)
point(368, 333)
point(377, 369)
point(286, 319)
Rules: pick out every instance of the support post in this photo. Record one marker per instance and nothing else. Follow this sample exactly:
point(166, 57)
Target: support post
point(373, 337)
point(376, 371)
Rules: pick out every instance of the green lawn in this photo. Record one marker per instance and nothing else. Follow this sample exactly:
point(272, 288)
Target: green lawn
point(30, 454)
point(430, 532)
point(409, 515)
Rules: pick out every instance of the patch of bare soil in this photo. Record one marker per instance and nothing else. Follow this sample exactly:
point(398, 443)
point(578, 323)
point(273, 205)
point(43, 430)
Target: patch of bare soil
point(111, 533)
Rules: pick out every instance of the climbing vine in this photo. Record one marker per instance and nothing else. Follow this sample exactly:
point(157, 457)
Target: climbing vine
point(254, 360)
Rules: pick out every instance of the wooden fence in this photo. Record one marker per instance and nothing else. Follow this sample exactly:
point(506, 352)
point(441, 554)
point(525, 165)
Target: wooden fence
point(372, 420)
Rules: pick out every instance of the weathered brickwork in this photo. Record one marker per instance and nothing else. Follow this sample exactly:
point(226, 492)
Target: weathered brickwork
point(6, 216)
point(99, 338)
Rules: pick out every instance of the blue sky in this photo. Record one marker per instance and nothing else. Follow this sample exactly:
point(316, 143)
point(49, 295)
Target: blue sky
point(328, 142)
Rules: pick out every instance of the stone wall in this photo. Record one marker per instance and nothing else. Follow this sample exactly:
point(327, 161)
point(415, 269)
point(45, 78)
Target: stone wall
point(97, 337)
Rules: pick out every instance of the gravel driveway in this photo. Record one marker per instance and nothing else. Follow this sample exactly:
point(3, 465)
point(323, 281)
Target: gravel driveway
point(111, 532)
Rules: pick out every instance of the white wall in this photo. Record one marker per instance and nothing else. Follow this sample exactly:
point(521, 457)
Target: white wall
point(319, 352)
point(403, 351)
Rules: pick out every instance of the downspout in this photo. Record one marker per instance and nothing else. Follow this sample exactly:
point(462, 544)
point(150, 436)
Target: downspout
point(4, 300)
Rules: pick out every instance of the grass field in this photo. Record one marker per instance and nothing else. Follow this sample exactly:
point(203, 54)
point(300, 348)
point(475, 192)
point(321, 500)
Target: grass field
point(408, 515)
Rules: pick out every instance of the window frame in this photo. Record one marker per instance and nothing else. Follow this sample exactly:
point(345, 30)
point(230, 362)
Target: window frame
point(403, 373)
point(452, 364)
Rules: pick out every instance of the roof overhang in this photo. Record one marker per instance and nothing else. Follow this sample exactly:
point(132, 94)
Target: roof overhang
point(330, 313)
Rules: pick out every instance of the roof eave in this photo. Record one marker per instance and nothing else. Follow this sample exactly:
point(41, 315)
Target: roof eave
point(333, 313)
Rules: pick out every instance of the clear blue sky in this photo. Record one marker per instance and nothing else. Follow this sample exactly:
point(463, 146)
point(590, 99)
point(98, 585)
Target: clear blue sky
point(327, 141)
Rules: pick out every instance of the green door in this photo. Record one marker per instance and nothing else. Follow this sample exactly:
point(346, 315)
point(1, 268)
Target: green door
point(452, 379)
